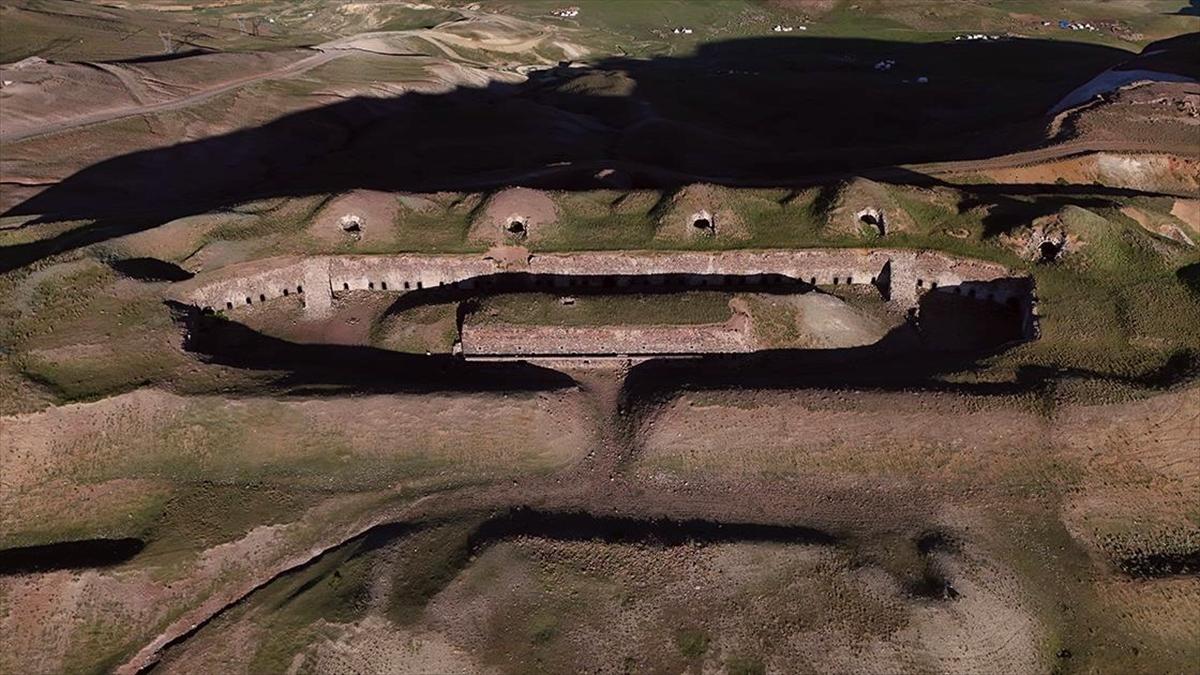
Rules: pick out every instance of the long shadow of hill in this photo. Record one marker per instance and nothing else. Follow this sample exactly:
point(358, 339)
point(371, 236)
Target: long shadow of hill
point(955, 334)
point(896, 363)
point(760, 111)
point(331, 368)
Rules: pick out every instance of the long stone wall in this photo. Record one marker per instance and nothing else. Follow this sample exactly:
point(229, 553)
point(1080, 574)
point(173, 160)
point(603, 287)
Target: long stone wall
point(261, 281)
point(902, 275)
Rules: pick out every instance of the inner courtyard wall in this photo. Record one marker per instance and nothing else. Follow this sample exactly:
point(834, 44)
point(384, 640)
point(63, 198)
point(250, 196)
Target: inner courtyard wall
point(901, 275)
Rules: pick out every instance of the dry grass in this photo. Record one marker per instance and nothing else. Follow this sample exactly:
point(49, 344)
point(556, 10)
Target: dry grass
point(1060, 523)
point(1071, 501)
point(209, 469)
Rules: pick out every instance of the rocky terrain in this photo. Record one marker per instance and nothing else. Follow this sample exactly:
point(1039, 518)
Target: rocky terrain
point(759, 336)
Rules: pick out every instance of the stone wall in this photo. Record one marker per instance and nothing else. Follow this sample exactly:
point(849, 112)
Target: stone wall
point(900, 274)
point(404, 272)
point(261, 281)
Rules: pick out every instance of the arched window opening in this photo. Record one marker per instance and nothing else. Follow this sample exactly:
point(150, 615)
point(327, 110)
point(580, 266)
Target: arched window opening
point(351, 224)
point(874, 219)
point(1049, 251)
point(517, 226)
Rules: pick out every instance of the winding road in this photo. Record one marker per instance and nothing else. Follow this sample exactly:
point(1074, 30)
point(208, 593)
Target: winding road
point(291, 70)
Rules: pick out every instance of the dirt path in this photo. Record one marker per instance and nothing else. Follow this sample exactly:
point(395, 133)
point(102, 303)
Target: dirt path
point(1036, 156)
point(299, 67)
point(127, 80)
point(326, 52)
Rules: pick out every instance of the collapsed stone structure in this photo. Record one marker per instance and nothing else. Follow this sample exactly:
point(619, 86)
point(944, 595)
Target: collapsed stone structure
point(899, 275)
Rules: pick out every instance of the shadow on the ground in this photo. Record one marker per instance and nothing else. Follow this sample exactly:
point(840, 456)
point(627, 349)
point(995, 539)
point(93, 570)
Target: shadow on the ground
point(150, 269)
point(68, 555)
point(467, 297)
point(761, 111)
point(581, 526)
point(953, 328)
point(331, 369)
point(954, 334)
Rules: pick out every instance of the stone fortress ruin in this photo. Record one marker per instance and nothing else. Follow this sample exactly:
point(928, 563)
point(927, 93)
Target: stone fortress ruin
point(899, 277)
point(514, 220)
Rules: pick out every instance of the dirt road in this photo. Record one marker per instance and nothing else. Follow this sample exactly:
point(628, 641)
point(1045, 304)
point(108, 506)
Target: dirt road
point(291, 70)
point(1035, 156)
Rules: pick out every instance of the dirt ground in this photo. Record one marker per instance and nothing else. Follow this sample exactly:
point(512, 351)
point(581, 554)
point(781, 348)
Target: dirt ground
point(537, 605)
point(935, 511)
point(170, 443)
point(915, 464)
point(255, 491)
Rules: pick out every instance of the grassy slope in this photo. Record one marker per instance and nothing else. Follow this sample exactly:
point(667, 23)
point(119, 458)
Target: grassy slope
point(694, 307)
point(428, 328)
point(204, 471)
point(72, 31)
point(1116, 306)
point(210, 469)
point(1084, 604)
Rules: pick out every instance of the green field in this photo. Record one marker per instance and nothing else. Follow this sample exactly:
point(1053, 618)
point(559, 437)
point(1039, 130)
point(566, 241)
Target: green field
point(685, 308)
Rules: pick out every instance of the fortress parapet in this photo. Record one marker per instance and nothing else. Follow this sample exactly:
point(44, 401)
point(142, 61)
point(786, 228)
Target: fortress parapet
point(901, 276)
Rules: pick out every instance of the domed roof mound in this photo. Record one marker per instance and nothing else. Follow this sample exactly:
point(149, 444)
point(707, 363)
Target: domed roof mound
point(699, 210)
point(513, 214)
point(357, 215)
point(861, 207)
